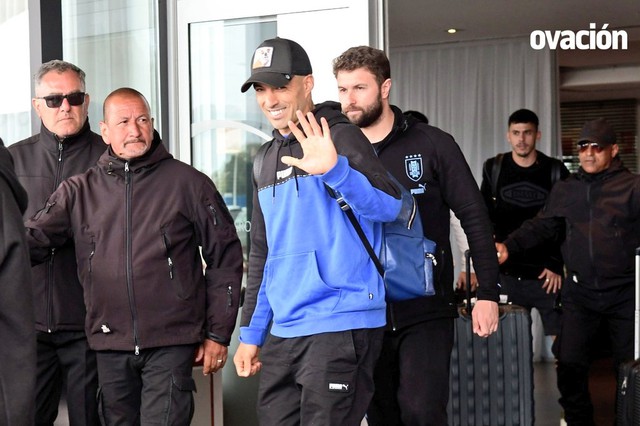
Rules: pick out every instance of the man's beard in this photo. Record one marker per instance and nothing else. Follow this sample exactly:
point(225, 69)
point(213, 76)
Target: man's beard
point(369, 115)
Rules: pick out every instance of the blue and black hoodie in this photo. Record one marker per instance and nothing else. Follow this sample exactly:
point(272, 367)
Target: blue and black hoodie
point(309, 272)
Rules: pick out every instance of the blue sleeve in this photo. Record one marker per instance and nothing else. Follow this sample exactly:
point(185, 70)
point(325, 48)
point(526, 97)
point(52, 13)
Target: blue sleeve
point(365, 199)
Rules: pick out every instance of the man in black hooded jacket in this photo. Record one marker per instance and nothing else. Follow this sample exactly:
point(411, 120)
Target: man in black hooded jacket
point(427, 161)
point(17, 377)
point(142, 224)
point(598, 210)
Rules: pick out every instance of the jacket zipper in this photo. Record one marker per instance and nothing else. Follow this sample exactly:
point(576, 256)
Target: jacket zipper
point(50, 291)
point(128, 255)
point(595, 276)
point(50, 268)
point(91, 254)
point(214, 213)
point(168, 252)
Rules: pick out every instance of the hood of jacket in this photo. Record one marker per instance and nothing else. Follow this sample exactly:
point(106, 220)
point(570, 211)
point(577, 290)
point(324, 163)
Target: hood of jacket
point(614, 168)
point(401, 123)
point(8, 174)
point(330, 110)
point(116, 165)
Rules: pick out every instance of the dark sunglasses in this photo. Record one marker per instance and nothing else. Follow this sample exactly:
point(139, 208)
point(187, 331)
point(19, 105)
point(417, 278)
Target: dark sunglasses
point(585, 146)
point(54, 101)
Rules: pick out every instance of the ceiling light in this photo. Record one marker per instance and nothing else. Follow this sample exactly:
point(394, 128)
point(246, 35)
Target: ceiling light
point(452, 30)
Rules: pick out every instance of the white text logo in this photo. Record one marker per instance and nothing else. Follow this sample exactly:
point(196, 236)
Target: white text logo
point(591, 39)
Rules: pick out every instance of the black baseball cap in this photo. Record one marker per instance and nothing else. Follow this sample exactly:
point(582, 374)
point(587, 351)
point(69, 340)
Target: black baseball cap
point(597, 131)
point(276, 61)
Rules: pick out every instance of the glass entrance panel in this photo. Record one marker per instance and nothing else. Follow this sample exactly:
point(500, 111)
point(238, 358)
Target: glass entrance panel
point(227, 126)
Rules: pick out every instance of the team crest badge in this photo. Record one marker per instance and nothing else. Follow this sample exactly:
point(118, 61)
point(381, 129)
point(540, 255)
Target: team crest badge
point(413, 166)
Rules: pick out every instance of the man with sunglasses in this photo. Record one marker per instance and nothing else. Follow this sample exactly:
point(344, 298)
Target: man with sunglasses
point(65, 146)
point(596, 210)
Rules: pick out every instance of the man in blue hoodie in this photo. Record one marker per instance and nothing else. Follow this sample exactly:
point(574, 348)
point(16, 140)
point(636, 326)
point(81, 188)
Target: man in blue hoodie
point(314, 310)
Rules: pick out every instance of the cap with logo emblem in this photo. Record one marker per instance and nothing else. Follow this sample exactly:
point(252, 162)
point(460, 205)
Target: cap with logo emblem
point(276, 61)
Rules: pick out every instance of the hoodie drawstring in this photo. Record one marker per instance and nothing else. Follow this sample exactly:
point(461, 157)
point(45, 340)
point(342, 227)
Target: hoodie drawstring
point(295, 172)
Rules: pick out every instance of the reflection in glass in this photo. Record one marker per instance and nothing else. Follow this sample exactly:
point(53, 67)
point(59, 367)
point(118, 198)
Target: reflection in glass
point(227, 127)
point(116, 45)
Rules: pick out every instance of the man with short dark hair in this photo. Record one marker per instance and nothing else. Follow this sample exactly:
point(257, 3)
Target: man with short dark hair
point(315, 308)
point(412, 374)
point(64, 147)
point(515, 186)
point(597, 210)
point(143, 224)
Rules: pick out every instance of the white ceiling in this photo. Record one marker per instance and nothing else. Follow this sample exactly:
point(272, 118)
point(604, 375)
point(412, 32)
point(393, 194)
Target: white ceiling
point(584, 75)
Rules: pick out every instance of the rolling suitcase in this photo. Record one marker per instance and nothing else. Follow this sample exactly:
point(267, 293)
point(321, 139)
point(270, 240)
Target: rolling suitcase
point(491, 379)
point(628, 392)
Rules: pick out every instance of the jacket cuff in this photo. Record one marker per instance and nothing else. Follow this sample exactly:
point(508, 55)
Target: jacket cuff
point(218, 339)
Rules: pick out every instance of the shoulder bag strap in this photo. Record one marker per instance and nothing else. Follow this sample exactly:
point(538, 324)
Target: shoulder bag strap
point(346, 208)
point(495, 173)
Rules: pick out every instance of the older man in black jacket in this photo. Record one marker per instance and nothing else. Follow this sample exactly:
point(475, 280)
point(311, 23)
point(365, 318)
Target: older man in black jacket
point(65, 146)
point(142, 224)
point(598, 209)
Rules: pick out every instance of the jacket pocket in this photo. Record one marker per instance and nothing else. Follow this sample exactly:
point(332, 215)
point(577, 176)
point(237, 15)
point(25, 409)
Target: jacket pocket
point(167, 251)
point(296, 290)
point(177, 274)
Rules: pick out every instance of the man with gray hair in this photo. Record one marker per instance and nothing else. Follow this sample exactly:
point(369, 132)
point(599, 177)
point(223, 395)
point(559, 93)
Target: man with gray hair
point(65, 146)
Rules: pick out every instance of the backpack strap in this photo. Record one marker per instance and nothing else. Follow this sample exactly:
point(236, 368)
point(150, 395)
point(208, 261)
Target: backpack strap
point(556, 171)
point(495, 173)
point(258, 160)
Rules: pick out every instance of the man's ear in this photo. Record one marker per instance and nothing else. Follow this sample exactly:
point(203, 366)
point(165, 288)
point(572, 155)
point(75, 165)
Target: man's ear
point(308, 83)
point(36, 106)
point(614, 150)
point(385, 88)
point(104, 132)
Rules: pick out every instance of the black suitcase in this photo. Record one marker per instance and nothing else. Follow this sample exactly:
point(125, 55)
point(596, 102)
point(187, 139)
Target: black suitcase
point(491, 379)
point(628, 391)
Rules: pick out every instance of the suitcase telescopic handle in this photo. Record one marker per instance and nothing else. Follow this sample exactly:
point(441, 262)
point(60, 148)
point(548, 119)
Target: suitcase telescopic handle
point(467, 260)
point(636, 319)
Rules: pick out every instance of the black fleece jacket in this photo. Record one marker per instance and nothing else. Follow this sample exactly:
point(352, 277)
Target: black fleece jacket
point(42, 163)
point(429, 163)
point(17, 389)
point(141, 230)
point(599, 215)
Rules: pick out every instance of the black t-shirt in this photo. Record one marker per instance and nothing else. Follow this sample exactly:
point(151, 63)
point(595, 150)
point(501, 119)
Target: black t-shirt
point(520, 194)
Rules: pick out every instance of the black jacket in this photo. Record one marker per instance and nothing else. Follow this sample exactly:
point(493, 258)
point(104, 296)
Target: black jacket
point(42, 162)
point(429, 163)
point(600, 216)
point(18, 358)
point(138, 227)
